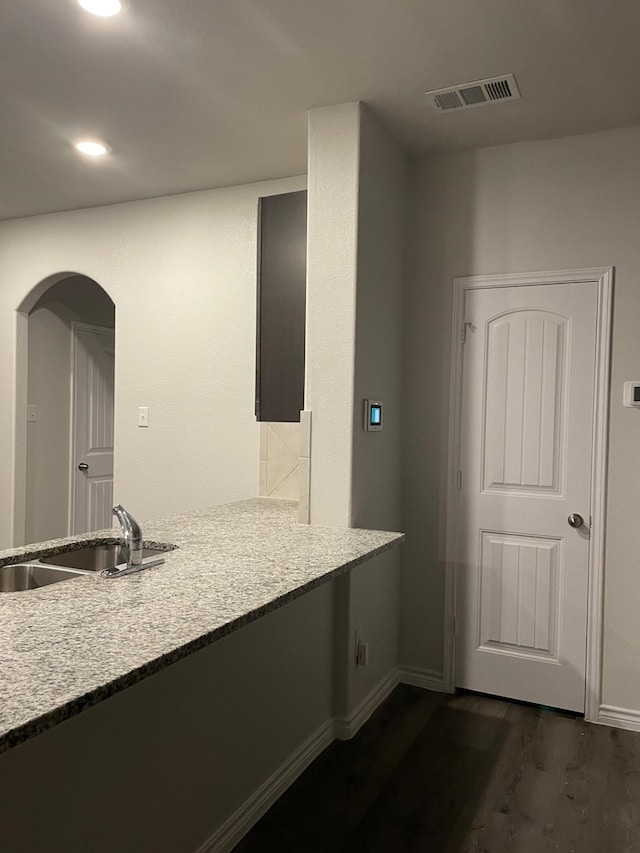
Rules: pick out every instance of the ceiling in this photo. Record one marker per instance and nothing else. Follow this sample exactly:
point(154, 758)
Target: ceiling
point(193, 94)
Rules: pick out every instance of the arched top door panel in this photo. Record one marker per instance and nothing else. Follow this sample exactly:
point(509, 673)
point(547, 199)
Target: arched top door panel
point(524, 418)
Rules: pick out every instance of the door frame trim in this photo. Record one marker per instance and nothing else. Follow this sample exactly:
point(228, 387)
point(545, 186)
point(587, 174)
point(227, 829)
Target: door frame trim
point(77, 326)
point(603, 278)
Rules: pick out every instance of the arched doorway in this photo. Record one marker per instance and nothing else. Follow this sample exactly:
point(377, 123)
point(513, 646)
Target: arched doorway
point(64, 476)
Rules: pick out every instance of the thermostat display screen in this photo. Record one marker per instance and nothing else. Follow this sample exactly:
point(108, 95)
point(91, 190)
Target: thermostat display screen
point(372, 415)
point(631, 396)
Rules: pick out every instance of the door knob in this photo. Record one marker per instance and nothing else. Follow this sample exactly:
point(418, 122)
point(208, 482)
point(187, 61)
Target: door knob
point(84, 467)
point(575, 520)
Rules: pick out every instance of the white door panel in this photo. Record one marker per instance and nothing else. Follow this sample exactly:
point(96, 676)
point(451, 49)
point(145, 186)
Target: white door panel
point(523, 423)
point(527, 414)
point(93, 428)
point(519, 594)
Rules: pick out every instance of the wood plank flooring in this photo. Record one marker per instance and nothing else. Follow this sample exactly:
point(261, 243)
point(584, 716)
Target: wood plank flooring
point(432, 773)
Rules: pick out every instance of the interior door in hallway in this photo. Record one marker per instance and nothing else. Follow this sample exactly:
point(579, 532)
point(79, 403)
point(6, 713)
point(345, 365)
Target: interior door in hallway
point(92, 457)
point(525, 458)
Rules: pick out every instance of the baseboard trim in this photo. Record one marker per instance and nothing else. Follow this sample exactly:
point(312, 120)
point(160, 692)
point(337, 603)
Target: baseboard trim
point(620, 718)
point(243, 819)
point(427, 679)
point(346, 727)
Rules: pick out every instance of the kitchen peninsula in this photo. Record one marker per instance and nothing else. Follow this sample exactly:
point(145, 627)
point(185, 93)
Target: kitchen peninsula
point(70, 645)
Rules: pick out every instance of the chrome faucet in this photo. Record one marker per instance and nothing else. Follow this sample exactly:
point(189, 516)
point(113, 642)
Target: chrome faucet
point(133, 541)
point(132, 535)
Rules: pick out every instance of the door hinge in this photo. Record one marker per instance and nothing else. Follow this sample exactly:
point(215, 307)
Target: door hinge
point(454, 626)
point(459, 480)
point(466, 326)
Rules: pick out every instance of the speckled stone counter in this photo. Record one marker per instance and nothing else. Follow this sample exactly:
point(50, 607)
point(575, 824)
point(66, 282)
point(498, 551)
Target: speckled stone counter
point(72, 644)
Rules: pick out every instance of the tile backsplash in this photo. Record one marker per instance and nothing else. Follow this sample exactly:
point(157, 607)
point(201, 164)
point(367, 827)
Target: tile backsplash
point(285, 458)
point(280, 461)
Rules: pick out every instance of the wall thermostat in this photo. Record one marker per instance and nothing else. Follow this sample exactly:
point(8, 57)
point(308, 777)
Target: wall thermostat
point(372, 415)
point(632, 394)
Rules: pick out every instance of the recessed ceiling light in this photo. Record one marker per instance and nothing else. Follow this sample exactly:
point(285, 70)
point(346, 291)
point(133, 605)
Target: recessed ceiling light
point(92, 147)
point(103, 8)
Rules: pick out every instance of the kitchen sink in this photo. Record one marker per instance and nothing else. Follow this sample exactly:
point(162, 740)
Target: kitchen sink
point(24, 576)
point(96, 558)
point(71, 564)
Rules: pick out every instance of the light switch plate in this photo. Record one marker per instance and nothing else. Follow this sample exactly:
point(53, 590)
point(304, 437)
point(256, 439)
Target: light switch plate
point(143, 416)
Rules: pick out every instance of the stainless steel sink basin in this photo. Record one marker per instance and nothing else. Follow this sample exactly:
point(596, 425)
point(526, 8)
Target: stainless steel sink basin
point(24, 576)
point(95, 558)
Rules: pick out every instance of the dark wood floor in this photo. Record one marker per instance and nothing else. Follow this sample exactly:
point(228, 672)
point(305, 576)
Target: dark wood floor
point(432, 773)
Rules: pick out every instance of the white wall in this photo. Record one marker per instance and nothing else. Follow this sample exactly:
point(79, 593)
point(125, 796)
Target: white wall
point(546, 205)
point(376, 456)
point(49, 390)
point(182, 273)
point(354, 315)
point(332, 247)
point(357, 188)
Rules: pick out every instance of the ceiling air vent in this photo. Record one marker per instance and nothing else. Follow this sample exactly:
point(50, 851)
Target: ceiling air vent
point(475, 94)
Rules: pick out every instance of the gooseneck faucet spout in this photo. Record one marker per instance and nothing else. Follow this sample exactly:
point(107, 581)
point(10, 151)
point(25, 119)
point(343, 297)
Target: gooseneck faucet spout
point(133, 541)
point(132, 535)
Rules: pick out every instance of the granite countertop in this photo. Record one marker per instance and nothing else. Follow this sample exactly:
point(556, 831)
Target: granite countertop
point(69, 645)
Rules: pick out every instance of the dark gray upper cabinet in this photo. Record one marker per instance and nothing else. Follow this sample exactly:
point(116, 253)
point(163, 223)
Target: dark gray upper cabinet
point(282, 273)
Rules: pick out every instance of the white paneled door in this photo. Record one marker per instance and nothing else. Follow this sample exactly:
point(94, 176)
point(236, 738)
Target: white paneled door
point(92, 456)
point(525, 458)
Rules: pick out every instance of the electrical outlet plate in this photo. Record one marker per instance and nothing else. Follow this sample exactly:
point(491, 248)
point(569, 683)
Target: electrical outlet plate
point(362, 654)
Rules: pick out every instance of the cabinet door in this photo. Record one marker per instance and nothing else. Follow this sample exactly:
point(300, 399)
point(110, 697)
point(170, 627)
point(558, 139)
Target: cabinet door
point(282, 271)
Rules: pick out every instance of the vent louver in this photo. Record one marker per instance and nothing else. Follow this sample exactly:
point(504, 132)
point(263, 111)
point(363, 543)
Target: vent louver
point(475, 94)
